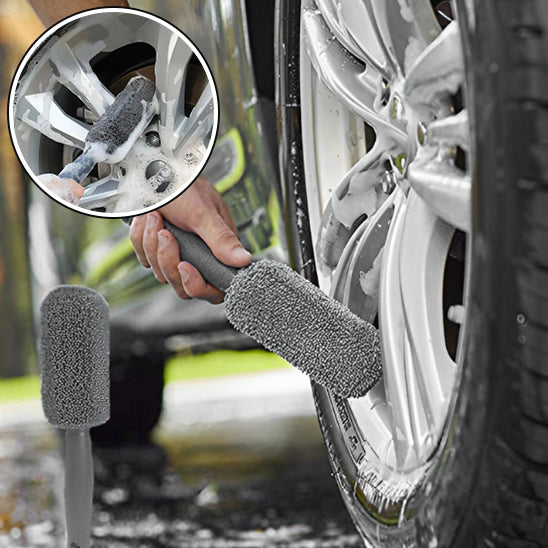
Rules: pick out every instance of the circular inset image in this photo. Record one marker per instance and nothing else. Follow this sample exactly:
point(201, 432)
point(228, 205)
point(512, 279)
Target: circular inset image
point(119, 101)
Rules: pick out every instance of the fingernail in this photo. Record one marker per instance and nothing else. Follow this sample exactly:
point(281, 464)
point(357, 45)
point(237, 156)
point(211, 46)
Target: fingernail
point(241, 253)
point(151, 220)
point(78, 190)
point(183, 273)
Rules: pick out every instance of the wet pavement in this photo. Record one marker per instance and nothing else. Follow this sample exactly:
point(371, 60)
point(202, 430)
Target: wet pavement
point(238, 462)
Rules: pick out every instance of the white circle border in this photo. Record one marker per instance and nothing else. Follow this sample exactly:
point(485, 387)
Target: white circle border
point(41, 40)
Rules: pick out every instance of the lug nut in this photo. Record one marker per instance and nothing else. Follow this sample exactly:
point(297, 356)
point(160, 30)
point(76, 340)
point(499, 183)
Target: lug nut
point(456, 313)
point(384, 92)
point(153, 139)
point(159, 175)
point(389, 178)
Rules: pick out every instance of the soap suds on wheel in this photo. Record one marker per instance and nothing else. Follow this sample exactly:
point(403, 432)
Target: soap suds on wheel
point(136, 192)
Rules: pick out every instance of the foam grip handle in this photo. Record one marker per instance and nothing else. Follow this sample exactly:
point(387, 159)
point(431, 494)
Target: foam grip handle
point(79, 169)
point(195, 251)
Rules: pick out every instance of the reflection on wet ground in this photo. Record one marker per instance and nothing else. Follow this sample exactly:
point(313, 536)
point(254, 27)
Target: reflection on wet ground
point(229, 482)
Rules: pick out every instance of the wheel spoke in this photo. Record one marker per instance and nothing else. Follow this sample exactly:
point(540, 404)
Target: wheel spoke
point(421, 286)
point(172, 57)
point(376, 13)
point(332, 15)
point(438, 71)
point(100, 193)
point(42, 113)
point(196, 129)
point(403, 33)
point(417, 368)
point(342, 19)
point(78, 76)
point(446, 189)
point(450, 131)
point(356, 85)
point(391, 316)
point(421, 419)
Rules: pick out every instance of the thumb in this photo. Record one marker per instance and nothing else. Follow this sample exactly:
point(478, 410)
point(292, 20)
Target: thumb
point(222, 241)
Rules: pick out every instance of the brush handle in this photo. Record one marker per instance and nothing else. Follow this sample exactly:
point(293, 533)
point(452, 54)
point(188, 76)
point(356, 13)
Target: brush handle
point(78, 487)
point(195, 251)
point(79, 169)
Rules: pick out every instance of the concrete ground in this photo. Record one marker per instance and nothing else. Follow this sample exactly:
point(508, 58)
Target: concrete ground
point(238, 462)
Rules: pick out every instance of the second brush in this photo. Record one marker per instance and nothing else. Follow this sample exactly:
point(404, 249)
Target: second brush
point(74, 373)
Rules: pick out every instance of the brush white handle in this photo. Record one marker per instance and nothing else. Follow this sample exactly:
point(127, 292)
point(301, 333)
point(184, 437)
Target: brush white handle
point(79, 169)
point(78, 488)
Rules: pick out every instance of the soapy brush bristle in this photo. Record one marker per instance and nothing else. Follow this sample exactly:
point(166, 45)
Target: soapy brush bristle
point(124, 115)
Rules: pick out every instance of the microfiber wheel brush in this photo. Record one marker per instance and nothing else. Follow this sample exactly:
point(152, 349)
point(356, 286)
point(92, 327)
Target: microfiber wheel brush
point(111, 137)
point(74, 371)
point(293, 318)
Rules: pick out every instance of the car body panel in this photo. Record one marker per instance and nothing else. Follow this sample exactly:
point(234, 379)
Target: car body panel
point(67, 247)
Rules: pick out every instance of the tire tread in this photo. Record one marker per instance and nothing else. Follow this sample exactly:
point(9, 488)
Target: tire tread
point(512, 508)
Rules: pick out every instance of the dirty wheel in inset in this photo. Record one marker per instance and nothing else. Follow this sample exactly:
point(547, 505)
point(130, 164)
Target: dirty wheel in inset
point(73, 73)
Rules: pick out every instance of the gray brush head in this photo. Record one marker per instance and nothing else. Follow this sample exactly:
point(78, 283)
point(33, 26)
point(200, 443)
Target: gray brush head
point(293, 318)
point(125, 118)
point(74, 358)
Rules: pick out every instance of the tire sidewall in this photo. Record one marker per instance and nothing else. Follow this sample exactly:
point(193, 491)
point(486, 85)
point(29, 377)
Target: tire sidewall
point(443, 503)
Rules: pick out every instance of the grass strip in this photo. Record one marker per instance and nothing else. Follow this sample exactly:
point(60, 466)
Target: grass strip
point(19, 389)
point(212, 364)
point(222, 362)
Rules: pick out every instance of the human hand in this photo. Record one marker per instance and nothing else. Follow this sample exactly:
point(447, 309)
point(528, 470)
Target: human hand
point(200, 209)
point(66, 189)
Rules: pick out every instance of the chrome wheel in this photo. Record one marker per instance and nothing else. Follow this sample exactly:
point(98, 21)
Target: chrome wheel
point(385, 144)
point(73, 73)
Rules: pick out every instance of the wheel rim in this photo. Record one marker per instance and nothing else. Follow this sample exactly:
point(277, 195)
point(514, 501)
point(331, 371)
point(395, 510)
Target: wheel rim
point(70, 84)
point(389, 197)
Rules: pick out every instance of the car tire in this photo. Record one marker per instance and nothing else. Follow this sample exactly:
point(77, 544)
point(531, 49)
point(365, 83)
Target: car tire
point(487, 482)
point(136, 393)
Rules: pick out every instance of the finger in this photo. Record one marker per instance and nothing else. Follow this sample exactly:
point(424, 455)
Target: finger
point(75, 188)
point(222, 241)
point(168, 259)
point(196, 287)
point(225, 214)
point(136, 232)
point(66, 189)
point(150, 244)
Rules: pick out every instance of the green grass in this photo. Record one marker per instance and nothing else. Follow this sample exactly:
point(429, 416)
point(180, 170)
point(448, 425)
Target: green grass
point(222, 362)
point(213, 364)
point(18, 389)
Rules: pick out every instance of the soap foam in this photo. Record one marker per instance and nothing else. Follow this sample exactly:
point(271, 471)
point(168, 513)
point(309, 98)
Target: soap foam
point(62, 188)
point(135, 192)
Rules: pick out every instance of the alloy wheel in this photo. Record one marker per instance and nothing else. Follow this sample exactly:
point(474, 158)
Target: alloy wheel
point(385, 145)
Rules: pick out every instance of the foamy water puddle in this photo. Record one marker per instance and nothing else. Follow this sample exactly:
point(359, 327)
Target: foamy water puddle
point(232, 484)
